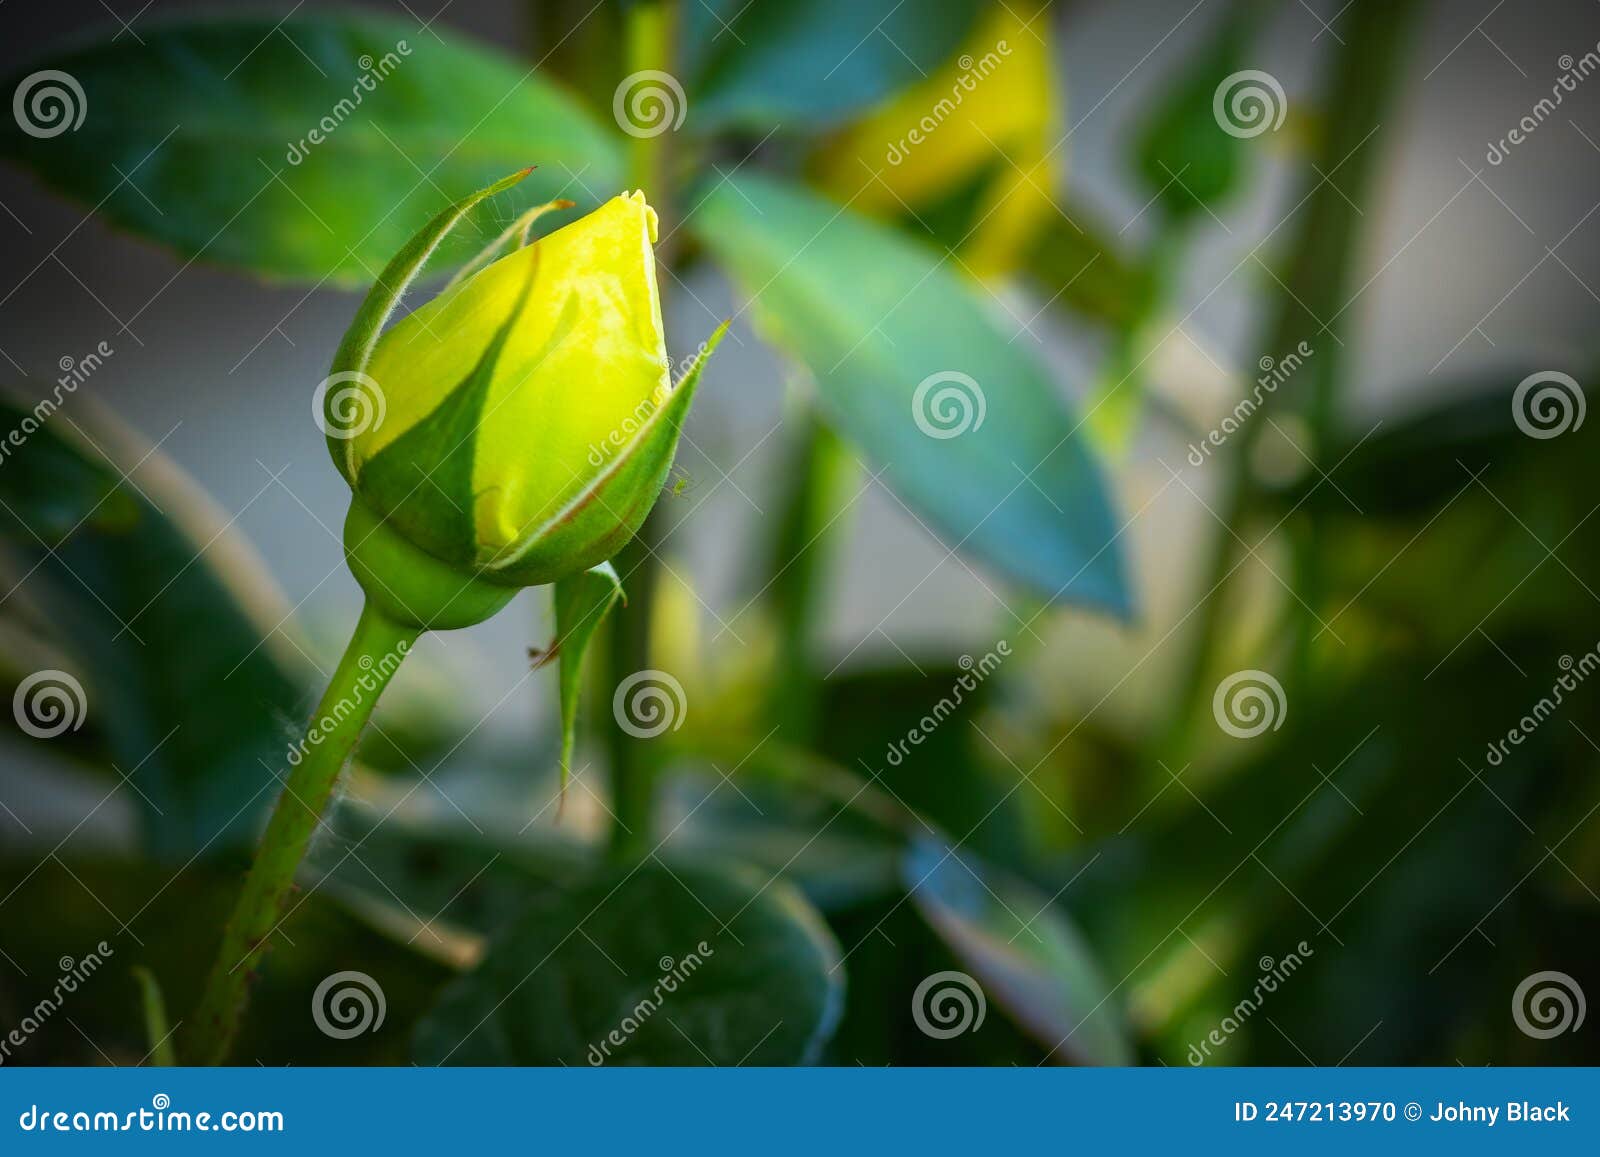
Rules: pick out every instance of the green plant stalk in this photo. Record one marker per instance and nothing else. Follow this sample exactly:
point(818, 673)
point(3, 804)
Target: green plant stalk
point(368, 664)
point(650, 37)
point(629, 757)
point(809, 531)
point(1364, 77)
point(1123, 390)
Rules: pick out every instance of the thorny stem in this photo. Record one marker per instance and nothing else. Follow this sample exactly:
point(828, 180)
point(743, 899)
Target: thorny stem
point(369, 662)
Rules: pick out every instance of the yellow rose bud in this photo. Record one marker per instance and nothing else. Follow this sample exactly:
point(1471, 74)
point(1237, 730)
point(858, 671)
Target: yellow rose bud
point(523, 422)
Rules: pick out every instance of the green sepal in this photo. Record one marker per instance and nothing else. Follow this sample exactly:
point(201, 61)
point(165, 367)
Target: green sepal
point(601, 518)
point(409, 586)
point(582, 601)
point(361, 338)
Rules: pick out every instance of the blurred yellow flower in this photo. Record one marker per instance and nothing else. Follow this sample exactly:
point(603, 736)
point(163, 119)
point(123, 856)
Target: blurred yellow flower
point(978, 128)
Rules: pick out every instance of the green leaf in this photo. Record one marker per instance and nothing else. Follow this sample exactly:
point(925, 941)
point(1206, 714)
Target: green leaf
point(680, 964)
point(886, 328)
point(157, 1028)
point(440, 888)
point(834, 835)
point(806, 63)
point(168, 620)
point(198, 134)
point(581, 602)
point(1024, 952)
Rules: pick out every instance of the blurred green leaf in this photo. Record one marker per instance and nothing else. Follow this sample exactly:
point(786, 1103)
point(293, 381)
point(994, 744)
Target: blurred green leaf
point(1077, 264)
point(441, 888)
point(1373, 828)
point(1458, 488)
point(198, 134)
point(911, 367)
point(668, 964)
point(803, 64)
point(1415, 463)
point(1186, 157)
point(171, 916)
point(821, 840)
point(948, 777)
point(167, 619)
point(157, 1027)
point(1024, 952)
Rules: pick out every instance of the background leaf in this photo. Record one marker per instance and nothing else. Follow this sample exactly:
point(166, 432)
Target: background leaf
point(876, 318)
point(578, 962)
point(804, 63)
point(123, 571)
point(189, 129)
point(1024, 951)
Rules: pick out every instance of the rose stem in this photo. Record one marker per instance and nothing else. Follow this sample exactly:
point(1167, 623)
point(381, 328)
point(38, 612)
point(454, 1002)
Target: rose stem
point(368, 664)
